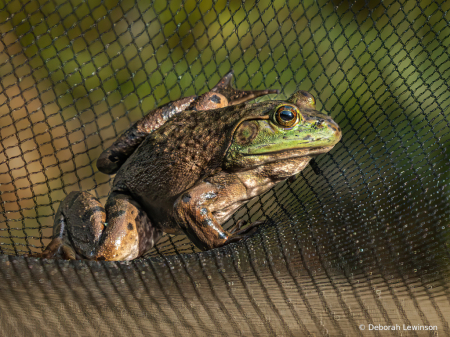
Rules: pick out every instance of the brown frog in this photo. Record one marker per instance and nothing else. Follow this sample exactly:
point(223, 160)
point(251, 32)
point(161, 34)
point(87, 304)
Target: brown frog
point(186, 167)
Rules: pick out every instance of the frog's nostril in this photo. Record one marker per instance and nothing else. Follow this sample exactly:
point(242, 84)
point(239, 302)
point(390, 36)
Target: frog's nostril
point(318, 124)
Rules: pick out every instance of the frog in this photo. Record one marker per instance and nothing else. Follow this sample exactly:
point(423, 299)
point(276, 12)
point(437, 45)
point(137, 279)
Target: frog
point(187, 167)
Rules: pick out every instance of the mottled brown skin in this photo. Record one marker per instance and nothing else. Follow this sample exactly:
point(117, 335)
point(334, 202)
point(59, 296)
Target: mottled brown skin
point(220, 96)
point(189, 172)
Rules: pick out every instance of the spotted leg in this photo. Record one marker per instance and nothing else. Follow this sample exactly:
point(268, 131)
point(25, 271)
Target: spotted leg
point(83, 229)
point(201, 211)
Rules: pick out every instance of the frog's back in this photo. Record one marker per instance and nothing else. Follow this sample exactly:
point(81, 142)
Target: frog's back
point(174, 157)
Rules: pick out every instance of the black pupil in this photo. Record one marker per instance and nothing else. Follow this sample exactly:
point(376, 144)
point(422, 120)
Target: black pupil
point(286, 115)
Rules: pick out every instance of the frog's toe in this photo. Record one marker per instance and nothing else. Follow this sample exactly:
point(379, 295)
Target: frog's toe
point(57, 250)
point(238, 230)
point(238, 237)
point(250, 229)
point(68, 253)
point(237, 226)
point(238, 233)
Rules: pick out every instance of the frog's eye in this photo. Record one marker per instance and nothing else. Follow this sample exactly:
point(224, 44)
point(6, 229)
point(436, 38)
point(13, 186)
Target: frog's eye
point(287, 115)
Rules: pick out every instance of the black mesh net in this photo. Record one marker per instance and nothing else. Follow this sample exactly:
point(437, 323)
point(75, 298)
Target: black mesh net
point(361, 238)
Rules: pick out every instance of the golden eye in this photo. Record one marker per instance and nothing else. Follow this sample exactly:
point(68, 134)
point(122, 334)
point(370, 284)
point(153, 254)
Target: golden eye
point(287, 115)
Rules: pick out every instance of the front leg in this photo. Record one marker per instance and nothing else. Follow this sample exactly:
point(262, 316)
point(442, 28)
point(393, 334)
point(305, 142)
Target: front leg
point(201, 211)
point(83, 229)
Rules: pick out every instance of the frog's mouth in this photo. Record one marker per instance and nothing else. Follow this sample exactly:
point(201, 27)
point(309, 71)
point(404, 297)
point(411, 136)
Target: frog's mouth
point(288, 154)
point(292, 153)
point(247, 161)
point(320, 145)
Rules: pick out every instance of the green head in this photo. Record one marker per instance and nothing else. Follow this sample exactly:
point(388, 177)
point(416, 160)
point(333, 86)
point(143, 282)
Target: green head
point(281, 130)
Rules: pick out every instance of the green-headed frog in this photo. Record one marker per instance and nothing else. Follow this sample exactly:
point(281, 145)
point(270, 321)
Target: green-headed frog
point(186, 167)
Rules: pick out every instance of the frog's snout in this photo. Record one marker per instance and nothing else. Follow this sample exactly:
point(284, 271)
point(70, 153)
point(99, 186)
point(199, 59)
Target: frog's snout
point(332, 125)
